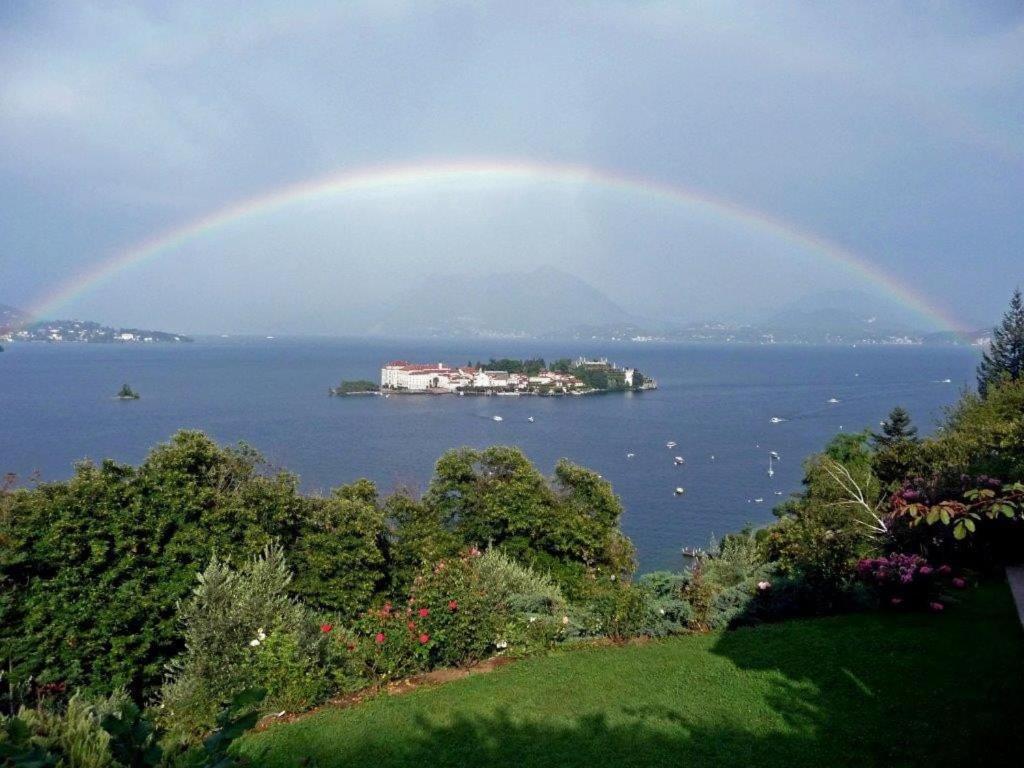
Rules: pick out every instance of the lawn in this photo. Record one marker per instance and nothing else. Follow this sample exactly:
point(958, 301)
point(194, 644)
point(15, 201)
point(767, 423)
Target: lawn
point(860, 690)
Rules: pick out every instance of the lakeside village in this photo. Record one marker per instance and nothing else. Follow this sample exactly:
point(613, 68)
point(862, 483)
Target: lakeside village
point(507, 377)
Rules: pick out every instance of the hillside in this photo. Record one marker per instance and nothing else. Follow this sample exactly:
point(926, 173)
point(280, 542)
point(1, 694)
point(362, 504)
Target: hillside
point(15, 325)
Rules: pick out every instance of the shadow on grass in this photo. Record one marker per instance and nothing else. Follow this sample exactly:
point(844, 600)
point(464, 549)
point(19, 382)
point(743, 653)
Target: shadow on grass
point(867, 690)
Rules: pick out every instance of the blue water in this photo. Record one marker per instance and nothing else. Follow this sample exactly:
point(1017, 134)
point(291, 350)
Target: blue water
point(56, 407)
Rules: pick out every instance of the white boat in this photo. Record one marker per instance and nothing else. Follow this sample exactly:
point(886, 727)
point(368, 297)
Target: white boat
point(679, 491)
point(670, 444)
point(832, 401)
point(776, 420)
point(677, 460)
point(758, 500)
point(497, 418)
point(630, 455)
point(778, 493)
point(946, 381)
point(530, 419)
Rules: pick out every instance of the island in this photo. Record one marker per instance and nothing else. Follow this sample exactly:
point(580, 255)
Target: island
point(507, 376)
point(354, 387)
point(127, 393)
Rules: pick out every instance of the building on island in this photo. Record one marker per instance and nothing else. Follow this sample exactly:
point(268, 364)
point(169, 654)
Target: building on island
point(404, 376)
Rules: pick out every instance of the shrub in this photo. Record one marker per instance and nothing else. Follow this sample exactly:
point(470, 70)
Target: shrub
point(624, 611)
point(241, 629)
point(904, 581)
point(671, 612)
point(520, 589)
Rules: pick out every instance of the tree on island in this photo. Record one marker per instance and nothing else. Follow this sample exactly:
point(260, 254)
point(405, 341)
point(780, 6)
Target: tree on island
point(1004, 359)
point(127, 393)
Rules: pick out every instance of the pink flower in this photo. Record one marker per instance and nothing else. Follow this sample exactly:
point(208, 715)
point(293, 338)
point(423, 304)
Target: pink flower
point(924, 570)
point(763, 585)
point(386, 609)
point(453, 605)
point(325, 628)
point(424, 639)
point(896, 600)
point(424, 612)
point(411, 625)
point(474, 552)
point(945, 570)
point(379, 639)
point(959, 583)
point(936, 607)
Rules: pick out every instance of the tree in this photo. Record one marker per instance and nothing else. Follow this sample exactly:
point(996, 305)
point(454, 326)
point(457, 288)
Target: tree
point(896, 448)
point(897, 428)
point(1004, 359)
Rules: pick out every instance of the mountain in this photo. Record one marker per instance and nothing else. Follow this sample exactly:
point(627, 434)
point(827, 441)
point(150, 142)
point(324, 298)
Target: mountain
point(845, 312)
point(541, 302)
point(10, 317)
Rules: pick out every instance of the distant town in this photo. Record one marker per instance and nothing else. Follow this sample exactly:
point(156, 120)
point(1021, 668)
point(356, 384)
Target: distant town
point(18, 326)
point(506, 376)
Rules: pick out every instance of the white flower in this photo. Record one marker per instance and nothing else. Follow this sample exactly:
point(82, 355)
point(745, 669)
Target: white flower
point(565, 619)
point(254, 642)
point(501, 645)
point(261, 634)
point(613, 577)
point(661, 611)
point(763, 585)
point(533, 619)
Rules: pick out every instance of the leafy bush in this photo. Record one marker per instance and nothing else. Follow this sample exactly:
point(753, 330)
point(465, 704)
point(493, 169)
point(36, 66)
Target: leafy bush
point(242, 629)
point(671, 612)
point(520, 589)
point(907, 581)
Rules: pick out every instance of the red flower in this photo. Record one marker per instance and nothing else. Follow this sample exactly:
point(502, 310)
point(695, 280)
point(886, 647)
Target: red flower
point(351, 646)
point(424, 612)
point(379, 639)
point(424, 639)
point(325, 628)
point(386, 609)
point(453, 605)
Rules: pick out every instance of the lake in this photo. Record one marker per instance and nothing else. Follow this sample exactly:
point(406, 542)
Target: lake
point(716, 403)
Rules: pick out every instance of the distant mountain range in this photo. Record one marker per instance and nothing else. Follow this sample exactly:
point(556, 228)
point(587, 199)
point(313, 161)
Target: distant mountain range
point(526, 304)
point(550, 303)
point(15, 325)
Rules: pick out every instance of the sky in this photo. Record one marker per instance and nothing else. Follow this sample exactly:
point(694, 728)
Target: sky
point(891, 132)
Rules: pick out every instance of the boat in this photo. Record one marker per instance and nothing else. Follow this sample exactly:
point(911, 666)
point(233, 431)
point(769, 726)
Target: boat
point(946, 381)
point(758, 500)
point(497, 418)
point(776, 420)
point(670, 444)
point(832, 401)
point(530, 419)
point(678, 460)
point(778, 493)
point(630, 455)
point(693, 552)
point(679, 491)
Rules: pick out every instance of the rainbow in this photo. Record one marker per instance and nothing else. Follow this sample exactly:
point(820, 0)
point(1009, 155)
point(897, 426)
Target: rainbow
point(493, 172)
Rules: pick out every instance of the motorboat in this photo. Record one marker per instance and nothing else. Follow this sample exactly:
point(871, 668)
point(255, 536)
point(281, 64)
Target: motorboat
point(530, 419)
point(832, 401)
point(679, 491)
point(671, 444)
point(776, 420)
point(497, 418)
point(678, 460)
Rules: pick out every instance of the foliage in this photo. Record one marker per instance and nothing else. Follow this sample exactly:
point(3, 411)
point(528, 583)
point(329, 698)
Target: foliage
point(517, 588)
point(1004, 359)
point(672, 613)
point(127, 393)
point(496, 497)
point(624, 611)
point(242, 629)
point(896, 455)
point(907, 581)
point(91, 569)
point(350, 386)
point(530, 366)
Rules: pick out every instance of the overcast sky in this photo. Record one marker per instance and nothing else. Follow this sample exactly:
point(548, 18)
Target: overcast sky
point(895, 130)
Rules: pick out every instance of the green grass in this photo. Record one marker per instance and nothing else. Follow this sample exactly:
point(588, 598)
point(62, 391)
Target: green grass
point(861, 690)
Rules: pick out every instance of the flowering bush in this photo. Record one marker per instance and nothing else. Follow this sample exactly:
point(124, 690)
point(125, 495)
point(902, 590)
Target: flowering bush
point(907, 581)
